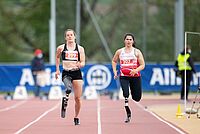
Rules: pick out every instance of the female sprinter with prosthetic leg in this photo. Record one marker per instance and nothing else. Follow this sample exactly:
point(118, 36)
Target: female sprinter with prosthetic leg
point(73, 58)
point(131, 63)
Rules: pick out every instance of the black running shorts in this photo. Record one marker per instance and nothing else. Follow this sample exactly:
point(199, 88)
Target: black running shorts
point(74, 74)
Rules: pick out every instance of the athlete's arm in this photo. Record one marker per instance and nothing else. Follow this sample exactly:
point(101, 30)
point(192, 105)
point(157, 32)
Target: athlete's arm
point(141, 63)
point(81, 63)
point(191, 63)
point(58, 53)
point(140, 60)
point(114, 63)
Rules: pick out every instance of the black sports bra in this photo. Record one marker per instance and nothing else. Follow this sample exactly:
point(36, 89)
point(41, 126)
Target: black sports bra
point(68, 55)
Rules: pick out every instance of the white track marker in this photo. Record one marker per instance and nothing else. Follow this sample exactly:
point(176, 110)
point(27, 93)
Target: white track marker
point(13, 106)
point(99, 114)
point(90, 93)
point(20, 93)
point(55, 93)
point(40, 117)
point(160, 119)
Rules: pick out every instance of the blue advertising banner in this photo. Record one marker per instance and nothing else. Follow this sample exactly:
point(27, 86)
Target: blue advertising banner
point(159, 77)
point(155, 77)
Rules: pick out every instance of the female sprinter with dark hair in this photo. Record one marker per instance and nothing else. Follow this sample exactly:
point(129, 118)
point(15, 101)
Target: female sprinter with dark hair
point(131, 63)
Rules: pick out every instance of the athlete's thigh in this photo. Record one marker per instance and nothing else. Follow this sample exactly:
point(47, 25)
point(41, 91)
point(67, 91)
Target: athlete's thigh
point(124, 84)
point(77, 86)
point(136, 89)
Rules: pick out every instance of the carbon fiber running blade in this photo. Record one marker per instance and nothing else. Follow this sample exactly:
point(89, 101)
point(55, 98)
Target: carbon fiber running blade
point(63, 107)
point(128, 113)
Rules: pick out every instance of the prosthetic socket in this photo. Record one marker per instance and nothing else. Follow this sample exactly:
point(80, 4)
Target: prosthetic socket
point(68, 84)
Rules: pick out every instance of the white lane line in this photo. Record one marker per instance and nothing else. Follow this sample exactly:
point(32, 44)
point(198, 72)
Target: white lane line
point(169, 124)
point(13, 106)
point(40, 117)
point(99, 114)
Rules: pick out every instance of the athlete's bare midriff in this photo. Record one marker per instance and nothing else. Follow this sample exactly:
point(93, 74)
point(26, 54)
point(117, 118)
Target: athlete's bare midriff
point(69, 65)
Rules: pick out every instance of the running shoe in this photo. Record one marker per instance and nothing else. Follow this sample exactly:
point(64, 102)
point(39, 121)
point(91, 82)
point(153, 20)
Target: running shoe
point(76, 121)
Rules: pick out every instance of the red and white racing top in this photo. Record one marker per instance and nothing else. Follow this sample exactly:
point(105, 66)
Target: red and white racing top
point(128, 61)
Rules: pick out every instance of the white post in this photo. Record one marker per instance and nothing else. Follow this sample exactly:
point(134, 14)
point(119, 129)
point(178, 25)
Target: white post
point(78, 21)
point(179, 26)
point(185, 72)
point(52, 34)
point(144, 27)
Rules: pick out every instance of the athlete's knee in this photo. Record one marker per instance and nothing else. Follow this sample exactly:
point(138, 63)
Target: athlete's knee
point(68, 92)
point(77, 99)
point(137, 99)
point(125, 94)
point(126, 101)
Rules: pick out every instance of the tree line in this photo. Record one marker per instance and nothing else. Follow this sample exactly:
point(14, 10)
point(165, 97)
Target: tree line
point(24, 27)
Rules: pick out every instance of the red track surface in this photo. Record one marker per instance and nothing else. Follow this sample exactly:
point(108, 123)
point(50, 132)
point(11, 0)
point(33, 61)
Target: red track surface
point(103, 116)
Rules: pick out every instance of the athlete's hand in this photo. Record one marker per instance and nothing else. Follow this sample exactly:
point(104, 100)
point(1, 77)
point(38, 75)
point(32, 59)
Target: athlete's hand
point(78, 64)
point(57, 74)
point(133, 72)
point(115, 75)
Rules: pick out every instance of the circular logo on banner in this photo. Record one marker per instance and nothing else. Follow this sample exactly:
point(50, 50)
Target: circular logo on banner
point(99, 76)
